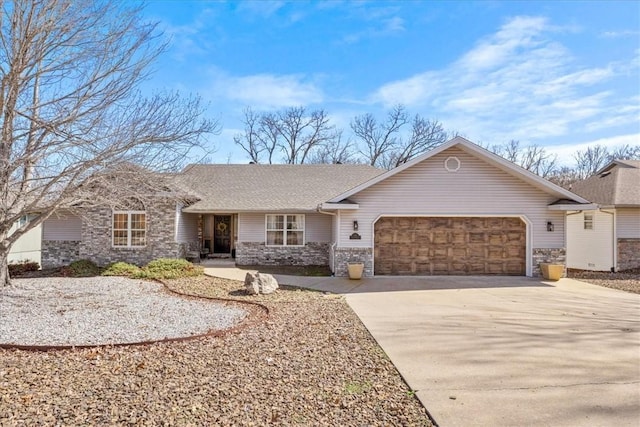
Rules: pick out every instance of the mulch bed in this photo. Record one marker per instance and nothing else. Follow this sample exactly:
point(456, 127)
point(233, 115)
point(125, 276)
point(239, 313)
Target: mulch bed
point(311, 362)
point(628, 281)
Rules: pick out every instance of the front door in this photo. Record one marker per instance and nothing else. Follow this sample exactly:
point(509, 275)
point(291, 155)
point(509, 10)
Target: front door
point(222, 234)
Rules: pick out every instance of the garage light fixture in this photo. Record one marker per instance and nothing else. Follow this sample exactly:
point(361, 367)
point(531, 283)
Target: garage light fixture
point(549, 226)
point(355, 225)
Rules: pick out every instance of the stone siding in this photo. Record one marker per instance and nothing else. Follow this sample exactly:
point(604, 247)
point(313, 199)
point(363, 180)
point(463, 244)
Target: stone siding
point(257, 253)
point(547, 255)
point(628, 254)
point(343, 256)
point(97, 244)
point(56, 253)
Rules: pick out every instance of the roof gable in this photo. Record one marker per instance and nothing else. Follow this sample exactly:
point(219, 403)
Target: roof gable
point(483, 154)
point(617, 184)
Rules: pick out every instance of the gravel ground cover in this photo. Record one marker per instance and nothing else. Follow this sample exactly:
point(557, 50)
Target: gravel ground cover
point(103, 310)
point(311, 362)
point(625, 281)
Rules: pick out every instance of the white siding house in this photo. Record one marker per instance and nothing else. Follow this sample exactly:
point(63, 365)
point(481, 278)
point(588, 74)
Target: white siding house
point(610, 236)
point(590, 246)
point(28, 246)
point(445, 212)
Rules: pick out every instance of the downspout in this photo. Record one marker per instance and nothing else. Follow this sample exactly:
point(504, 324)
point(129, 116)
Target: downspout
point(333, 244)
point(614, 240)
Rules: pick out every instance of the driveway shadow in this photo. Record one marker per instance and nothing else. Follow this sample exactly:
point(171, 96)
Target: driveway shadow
point(343, 285)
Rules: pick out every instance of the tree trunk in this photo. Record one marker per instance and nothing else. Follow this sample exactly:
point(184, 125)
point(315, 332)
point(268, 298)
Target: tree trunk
point(5, 280)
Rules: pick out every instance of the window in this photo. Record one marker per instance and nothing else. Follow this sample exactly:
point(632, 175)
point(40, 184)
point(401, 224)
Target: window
point(285, 230)
point(129, 229)
point(588, 221)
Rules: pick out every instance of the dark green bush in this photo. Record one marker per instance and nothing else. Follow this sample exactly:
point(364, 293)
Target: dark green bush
point(121, 269)
point(169, 268)
point(81, 268)
point(19, 268)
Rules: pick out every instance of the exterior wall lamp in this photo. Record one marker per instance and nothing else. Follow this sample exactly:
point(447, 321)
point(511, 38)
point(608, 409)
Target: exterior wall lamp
point(549, 226)
point(355, 225)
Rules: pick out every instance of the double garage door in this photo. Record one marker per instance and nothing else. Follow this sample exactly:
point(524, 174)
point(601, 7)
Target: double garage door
point(450, 245)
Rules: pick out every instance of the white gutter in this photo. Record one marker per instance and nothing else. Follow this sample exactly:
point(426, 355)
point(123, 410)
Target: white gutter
point(342, 206)
point(333, 244)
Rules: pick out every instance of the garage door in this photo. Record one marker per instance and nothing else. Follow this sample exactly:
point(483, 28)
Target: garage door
point(446, 245)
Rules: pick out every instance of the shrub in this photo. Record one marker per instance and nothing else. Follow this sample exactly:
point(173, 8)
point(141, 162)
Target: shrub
point(121, 269)
point(81, 268)
point(168, 268)
point(19, 268)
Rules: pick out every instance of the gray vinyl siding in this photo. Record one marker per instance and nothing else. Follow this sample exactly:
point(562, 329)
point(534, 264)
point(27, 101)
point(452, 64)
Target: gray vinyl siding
point(186, 226)
point(62, 228)
point(477, 188)
point(628, 223)
point(318, 228)
point(251, 227)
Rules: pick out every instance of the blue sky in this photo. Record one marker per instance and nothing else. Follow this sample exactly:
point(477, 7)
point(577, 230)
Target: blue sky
point(563, 75)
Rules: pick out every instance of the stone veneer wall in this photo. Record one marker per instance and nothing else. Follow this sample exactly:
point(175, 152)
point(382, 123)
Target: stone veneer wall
point(547, 255)
point(628, 254)
point(97, 246)
point(257, 253)
point(343, 256)
point(56, 253)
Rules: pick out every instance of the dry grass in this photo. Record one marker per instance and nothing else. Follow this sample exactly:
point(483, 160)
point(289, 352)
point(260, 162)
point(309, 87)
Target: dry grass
point(311, 362)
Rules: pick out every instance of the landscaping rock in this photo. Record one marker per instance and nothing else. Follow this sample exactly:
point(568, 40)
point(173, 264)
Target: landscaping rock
point(260, 283)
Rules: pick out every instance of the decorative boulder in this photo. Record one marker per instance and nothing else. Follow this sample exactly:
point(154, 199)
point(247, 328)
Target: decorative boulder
point(260, 283)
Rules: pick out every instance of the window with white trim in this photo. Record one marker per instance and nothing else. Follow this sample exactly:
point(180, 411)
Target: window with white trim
point(129, 229)
point(588, 221)
point(285, 230)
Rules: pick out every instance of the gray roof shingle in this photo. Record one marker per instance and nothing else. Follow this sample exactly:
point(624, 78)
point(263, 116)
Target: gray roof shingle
point(617, 184)
point(256, 187)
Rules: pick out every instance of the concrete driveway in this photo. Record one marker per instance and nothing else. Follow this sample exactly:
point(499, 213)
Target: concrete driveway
point(509, 351)
point(502, 351)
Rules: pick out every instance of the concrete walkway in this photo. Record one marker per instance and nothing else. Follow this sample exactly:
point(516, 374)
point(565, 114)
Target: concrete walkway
point(502, 351)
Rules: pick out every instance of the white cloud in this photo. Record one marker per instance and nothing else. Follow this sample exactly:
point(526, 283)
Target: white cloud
point(266, 91)
point(262, 8)
point(565, 152)
point(619, 34)
point(518, 83)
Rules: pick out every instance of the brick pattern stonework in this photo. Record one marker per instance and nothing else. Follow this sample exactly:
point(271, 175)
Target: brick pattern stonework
point(97, 246)
point(343, 256)
point(628, 254)
point(547, 255)
point(257, 253)
point(56, 253)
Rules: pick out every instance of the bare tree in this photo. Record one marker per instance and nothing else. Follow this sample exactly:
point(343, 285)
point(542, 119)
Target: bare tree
point(73, 119)
point(626, 152)
point(424, 136)
point(384, 144)
point(592, 159)
point(533, 158)
point(335, 151)
point(250, 140)
point(379, 138)
point(293, 132)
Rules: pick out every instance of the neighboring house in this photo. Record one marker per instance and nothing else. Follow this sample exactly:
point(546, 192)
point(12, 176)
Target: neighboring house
point(607, 238)
point(27, 247)
point(457, 209)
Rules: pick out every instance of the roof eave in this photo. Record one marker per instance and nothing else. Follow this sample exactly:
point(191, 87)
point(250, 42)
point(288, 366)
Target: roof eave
point(573, 207)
